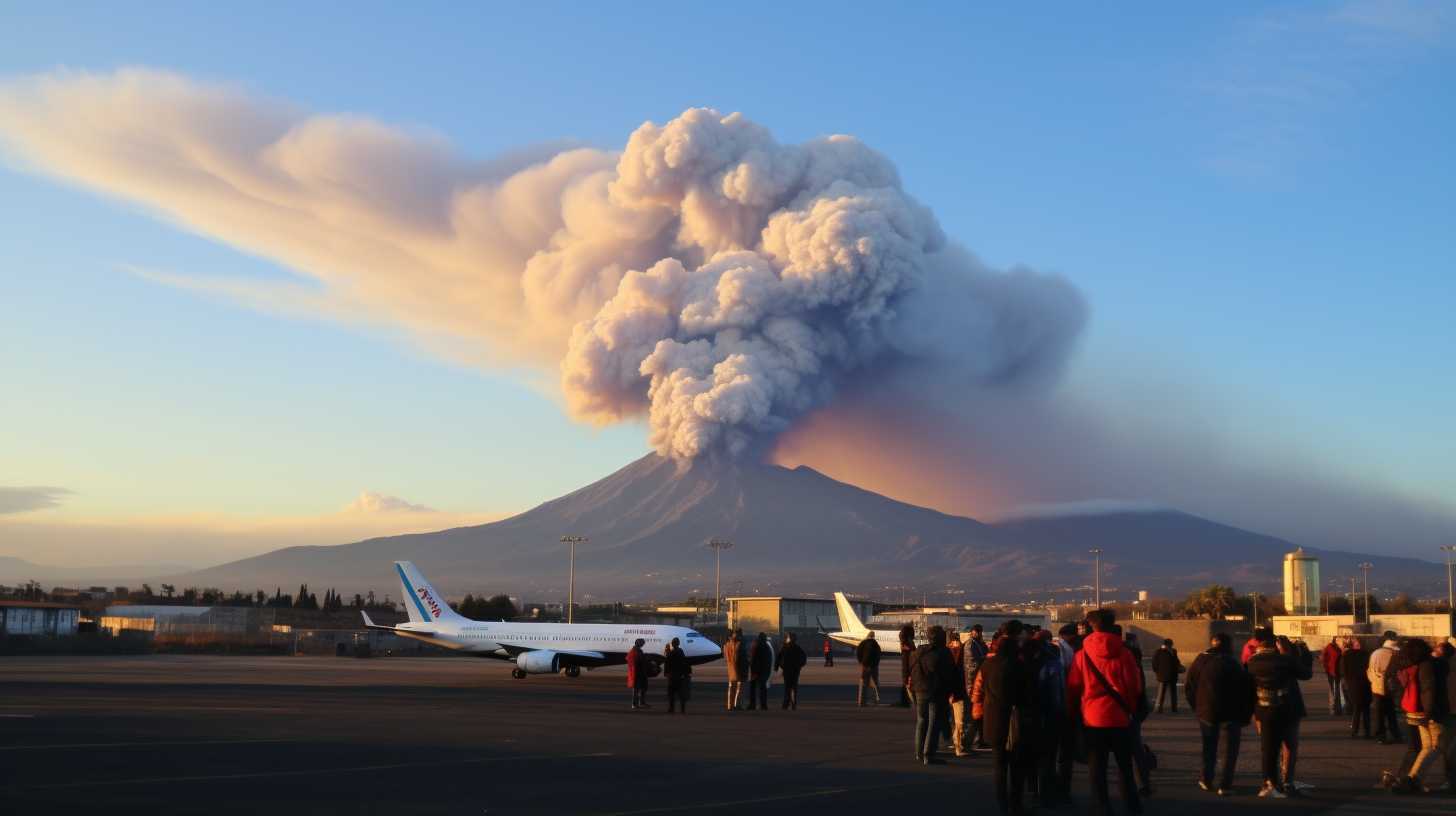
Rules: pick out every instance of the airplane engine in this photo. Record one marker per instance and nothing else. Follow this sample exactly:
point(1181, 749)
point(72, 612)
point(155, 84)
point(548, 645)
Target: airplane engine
point(538, 662)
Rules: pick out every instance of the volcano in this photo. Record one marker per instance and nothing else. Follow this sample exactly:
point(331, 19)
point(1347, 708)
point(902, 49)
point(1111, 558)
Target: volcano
point(794, 531)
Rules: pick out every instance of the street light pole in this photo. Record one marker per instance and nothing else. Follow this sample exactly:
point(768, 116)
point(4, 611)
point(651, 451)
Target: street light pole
point(573, 540)
point(1097, 577)
point(718, 545)
point(1365, 568)
point(1450, 595)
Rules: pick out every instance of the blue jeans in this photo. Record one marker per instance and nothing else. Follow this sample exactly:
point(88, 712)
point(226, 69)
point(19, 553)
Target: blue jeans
point(929, 713)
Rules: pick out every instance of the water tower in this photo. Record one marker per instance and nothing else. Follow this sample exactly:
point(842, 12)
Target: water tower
point(1301, 583)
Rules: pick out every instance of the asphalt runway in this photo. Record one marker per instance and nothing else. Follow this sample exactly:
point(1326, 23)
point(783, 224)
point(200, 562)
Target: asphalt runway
point(303, 735)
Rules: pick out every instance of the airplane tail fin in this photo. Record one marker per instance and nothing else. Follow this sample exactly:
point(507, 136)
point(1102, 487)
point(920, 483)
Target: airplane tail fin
point(848, 621)
point(423, 603)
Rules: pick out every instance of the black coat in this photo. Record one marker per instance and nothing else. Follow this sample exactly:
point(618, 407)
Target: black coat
point(1276, 674)
point(1353, 663)
point(868, 653)
point(791, 660)
point(760, 659)
point(1166, 665)
point(1218, 689)
point(676, 665)
point(933, 671)
point(1006, 684)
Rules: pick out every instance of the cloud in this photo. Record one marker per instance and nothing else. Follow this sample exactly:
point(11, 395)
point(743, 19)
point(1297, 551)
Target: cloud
point(1283, 72)
point(26, 499)
point(371, 502)
point(706, 277)
point(196, 540)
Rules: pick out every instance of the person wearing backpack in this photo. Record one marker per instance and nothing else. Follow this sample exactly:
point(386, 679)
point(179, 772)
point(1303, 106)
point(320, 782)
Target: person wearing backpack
point(1424, 701)
point(1105, 682)
point(1274, 707)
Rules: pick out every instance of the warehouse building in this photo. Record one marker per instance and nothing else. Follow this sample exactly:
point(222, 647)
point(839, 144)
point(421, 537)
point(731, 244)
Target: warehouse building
point(38, 619)
point(805, 617)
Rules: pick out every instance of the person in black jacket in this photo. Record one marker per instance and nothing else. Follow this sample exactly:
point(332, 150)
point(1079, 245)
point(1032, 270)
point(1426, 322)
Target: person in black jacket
point(907, 649)
point(1303, 670)
point(1354, 663)
point(760, 669)
point(1167, 667)
point(1274, 707)
point(1219, 692)
point(932, 674)
point(791, 660)
point(868, 655)
point(1006, 689)
point(679, 674)
point(1446, 678)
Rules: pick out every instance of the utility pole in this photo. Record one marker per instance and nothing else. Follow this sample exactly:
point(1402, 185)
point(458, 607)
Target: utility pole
point(1254, 599)
point(1097, 577)
point(573, 540)
point(1365, 568)
point(1450, 595)
point(718, 545)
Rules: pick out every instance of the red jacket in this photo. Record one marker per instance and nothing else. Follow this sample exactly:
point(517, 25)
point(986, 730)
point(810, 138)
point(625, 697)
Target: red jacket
point(1250, 646)
point(1330, 659)
point(1411, 701)
point(634, 659)
point(1099, 709)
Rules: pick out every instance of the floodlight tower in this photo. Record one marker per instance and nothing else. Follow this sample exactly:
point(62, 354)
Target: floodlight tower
point(718, 545)
point(573, 540)
point(1365, 568)
point(1097, 577)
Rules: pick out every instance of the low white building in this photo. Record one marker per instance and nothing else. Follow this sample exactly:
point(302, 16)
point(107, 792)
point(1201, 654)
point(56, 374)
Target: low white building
point(38, 619)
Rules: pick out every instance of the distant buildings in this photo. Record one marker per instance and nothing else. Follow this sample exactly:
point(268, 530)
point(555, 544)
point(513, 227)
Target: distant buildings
point(38, 619)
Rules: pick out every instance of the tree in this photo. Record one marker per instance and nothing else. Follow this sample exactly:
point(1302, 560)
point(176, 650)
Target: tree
point(260, 598)
point(168, 590)
point(147, 591)
point(1213, 601)
point(358, 601)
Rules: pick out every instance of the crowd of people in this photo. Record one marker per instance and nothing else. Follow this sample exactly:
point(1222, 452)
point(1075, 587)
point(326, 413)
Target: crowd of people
point(1040, 703)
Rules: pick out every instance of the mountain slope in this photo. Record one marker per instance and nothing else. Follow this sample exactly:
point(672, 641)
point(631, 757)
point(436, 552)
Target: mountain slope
point(793, 530)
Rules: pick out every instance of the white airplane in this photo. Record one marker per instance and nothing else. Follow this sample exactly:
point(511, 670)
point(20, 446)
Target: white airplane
point(852, 630)
point(535, 648)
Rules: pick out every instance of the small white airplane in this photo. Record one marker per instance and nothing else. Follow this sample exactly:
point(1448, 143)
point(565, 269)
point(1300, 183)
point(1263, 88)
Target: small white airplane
point(852, 630)
point(535, 648)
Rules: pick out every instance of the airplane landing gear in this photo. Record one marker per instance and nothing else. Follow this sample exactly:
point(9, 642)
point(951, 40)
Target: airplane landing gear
point(518, 674)
point(572, 671)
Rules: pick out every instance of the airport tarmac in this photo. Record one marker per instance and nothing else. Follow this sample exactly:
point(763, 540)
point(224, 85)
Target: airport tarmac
point(199, 734)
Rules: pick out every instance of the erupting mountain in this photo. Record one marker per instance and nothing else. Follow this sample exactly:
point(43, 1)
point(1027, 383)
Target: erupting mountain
point(794, 531)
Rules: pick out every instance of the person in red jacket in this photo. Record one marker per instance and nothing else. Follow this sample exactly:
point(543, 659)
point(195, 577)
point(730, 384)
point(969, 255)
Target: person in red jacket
point(828, 653)
point(1330, 662)
point(637, 674)
point(1106, 683)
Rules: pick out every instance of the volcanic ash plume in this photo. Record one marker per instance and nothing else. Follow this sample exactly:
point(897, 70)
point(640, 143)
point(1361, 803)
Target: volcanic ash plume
point(706, 277)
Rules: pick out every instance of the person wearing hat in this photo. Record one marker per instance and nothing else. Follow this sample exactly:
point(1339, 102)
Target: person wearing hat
point(1383, 689)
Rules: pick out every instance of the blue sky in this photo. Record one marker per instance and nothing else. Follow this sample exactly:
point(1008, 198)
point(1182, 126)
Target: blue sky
point(1254, 199)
